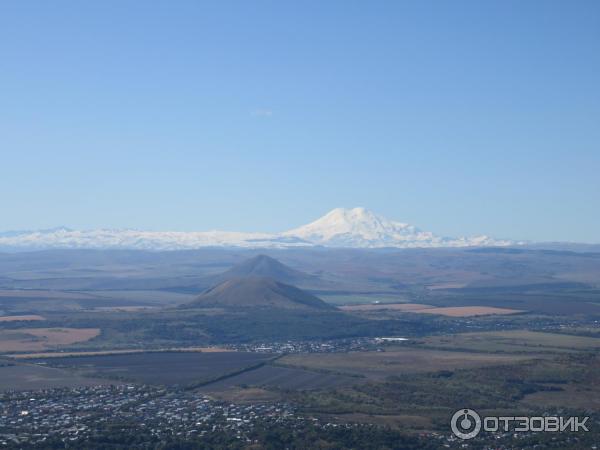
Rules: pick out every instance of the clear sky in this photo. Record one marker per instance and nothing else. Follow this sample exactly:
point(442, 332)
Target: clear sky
point(460, 117)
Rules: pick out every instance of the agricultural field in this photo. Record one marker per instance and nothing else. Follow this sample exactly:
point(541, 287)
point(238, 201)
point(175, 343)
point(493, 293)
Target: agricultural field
point(360, 299)
point(124, 308)
point(456, 311)
point(380, 365)
point(468, 311)
point(38, 339)
point(26, 377)
point(554, 300)
point(169, 368)
point(25, 318)
point(449, 285)
point(514, 341)
point(276, 377)
point(42, 294)
point(64, 354)
point(387, 306)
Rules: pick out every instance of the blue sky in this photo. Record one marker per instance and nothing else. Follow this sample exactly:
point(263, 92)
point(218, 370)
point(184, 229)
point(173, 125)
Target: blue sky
point(460, 117)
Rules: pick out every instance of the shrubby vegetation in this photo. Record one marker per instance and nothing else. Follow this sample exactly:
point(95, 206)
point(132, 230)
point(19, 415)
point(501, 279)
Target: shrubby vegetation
point(439, 394)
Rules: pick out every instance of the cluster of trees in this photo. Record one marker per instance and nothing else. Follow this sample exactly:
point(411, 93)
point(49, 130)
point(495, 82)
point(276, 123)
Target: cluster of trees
point(299, 436)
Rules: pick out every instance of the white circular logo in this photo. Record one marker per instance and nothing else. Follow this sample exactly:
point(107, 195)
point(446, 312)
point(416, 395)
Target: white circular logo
point(465, 424)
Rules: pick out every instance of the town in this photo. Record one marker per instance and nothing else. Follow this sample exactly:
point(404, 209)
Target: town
point(71, 416)
point(74, 414)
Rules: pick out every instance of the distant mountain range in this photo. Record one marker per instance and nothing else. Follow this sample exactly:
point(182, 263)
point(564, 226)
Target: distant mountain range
point(352, 228)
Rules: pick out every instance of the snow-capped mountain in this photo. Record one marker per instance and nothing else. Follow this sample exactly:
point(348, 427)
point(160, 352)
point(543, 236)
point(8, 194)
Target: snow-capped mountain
point(143, 240)
point(359, 227)
point(354, 228)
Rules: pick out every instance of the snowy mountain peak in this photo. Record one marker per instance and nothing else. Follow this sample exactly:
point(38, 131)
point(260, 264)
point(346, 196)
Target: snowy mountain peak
point(355, 216)
point(358, 227)
point(340, 227)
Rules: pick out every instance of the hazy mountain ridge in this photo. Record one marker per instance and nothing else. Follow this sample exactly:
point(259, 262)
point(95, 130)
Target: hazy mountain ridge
point(263, 266)
point(353, 228)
